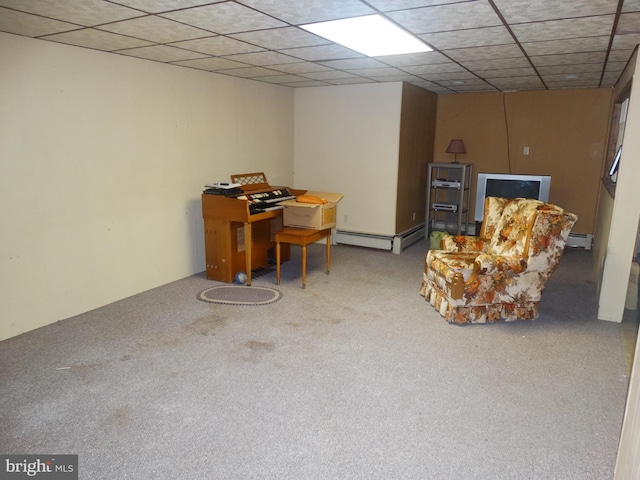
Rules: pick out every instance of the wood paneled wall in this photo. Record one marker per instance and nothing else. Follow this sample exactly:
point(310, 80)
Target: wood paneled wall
point(566, 132)
point(415, 151)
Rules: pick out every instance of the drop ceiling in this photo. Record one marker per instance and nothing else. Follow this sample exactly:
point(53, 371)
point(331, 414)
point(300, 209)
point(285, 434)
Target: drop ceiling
point(478, 45)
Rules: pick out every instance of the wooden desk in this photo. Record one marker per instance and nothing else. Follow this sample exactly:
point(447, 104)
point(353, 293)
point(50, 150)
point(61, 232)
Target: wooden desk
point(302, 237)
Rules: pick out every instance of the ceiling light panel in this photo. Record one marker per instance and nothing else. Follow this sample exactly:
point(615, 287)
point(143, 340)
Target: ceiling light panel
point(372, 35)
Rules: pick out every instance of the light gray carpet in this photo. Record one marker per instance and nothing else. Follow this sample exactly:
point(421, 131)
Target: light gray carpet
point(355, 377)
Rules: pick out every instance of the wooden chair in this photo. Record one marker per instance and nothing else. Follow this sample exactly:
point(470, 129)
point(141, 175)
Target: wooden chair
point(302, 237)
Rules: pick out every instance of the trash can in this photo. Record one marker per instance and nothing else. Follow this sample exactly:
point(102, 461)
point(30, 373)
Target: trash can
point(434, 239)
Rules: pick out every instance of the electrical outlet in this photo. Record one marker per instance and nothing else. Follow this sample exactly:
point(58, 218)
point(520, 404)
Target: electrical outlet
point(525, 151)
point(414, 216)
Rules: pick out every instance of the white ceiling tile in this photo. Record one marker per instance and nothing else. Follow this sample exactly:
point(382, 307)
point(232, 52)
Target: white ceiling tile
point(570, 45)
point(218, 46)
point(321, 53)
point(506, 72)
point(474, 88)
point(438, 68)
point(389, 5)
point(456, 83)
point(309, 83)
point(377, 72)
point(518, 83)
point(621, 55)
point(476, 37)
point(86, 12)
point(249, 72)
point(442, 18)
point(569, 38)
point(562, 29)
point(160, 53)
point(424, 58)
point(350, 81)
point(625, 42)
point(441, 77)
point(30, 25)
point(97, 39)
point(225, 17)
point(615, 66)
point(263, 58)
point(629, 23)
point(210, 63)
point(158, 6)
point(571, 77)
point(155, 29)
point(570, 69)
point(569, 59)
point(609, 81)
point(329, 75)
point(480, 53)
point(434, 87)
point(496, 63)
point(299, 12)
point(352, 63)
point(395, 78)
point(567, 84)
point(520, 11)
point(281, 38)
point(282, 78)
point(300, 67)
point(631, 6)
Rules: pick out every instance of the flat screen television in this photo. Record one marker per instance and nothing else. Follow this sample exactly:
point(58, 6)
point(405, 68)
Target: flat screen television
point(510, 186)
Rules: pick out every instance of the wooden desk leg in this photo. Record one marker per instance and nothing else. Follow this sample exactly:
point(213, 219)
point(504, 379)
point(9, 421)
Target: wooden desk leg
point(328, 254)
point(304, 266)
point(277, 263)
point(247, 250)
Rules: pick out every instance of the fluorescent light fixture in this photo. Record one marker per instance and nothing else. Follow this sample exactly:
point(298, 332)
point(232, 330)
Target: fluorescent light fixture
point(372, 35)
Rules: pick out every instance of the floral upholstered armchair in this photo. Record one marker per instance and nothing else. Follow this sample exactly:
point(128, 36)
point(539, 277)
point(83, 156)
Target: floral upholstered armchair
point(501, 274)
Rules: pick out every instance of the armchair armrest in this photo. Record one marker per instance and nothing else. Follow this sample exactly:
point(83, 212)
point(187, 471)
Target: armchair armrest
point(511, 265)
point(463, 243)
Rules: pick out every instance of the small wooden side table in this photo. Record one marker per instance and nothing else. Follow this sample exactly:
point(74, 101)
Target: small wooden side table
point(302, 237)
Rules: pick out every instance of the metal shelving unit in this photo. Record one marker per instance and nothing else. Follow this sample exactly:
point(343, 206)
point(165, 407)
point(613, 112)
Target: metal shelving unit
point(448, 197)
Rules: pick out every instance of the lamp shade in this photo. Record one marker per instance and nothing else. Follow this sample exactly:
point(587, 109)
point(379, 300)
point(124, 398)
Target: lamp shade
point(456, 146)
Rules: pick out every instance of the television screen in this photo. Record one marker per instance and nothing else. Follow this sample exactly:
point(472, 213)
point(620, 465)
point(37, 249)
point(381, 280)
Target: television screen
point(512, 188)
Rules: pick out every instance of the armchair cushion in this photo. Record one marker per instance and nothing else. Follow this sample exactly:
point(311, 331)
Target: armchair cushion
point(505, 269)
point(463, 243)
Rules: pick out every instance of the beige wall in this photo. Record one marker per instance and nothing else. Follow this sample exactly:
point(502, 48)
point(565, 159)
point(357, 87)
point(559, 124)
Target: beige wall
point(623, 215)
point(102, 163)
point(565, 130)
point(346, 141)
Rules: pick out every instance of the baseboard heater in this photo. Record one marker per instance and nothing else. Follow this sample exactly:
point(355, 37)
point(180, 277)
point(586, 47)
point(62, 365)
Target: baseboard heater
point(399, 242)
point(580, 240)
point(395, 243)
point(408, 237)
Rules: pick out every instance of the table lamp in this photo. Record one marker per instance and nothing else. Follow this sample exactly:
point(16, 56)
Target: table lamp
point(456, 146)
